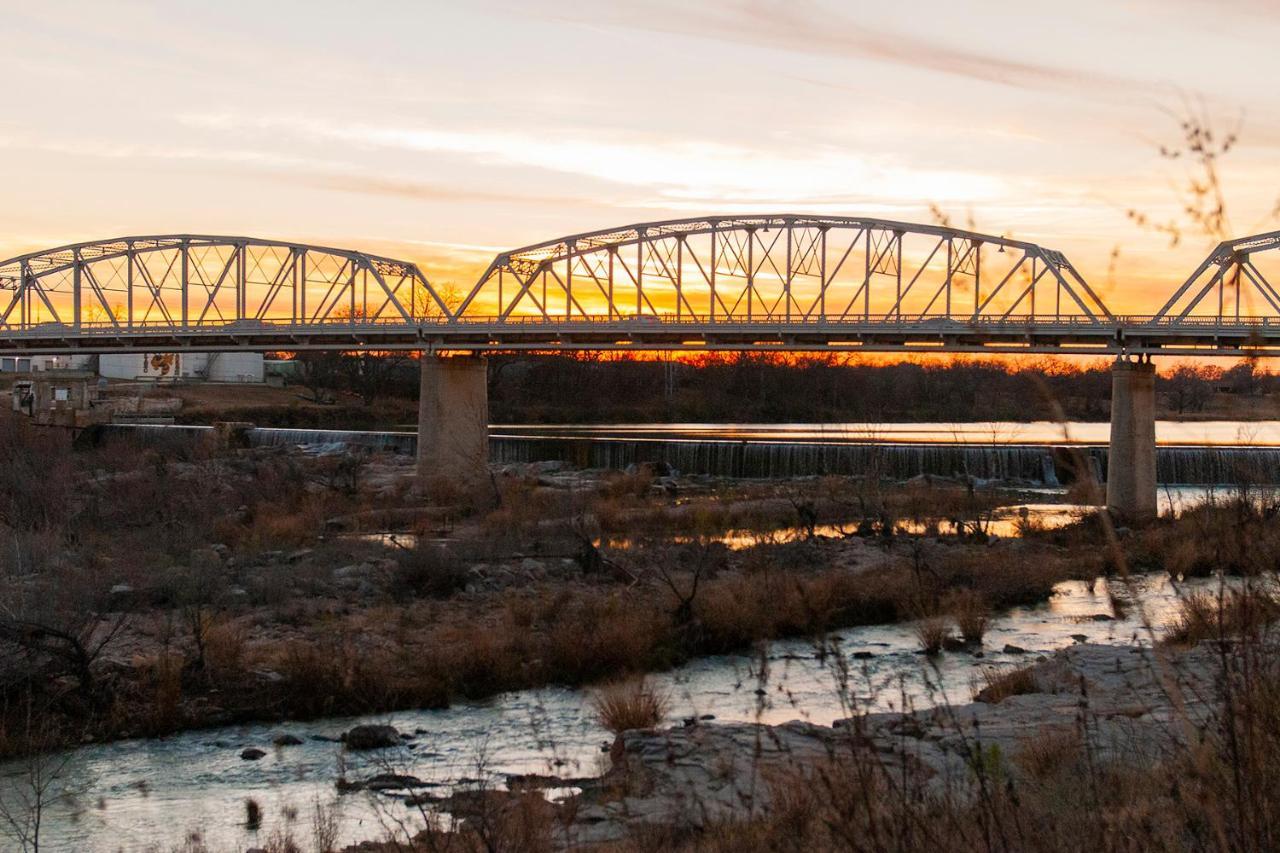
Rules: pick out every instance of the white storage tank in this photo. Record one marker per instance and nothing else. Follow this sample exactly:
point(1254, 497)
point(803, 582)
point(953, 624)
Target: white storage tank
point(234, 367)
point(246, 367)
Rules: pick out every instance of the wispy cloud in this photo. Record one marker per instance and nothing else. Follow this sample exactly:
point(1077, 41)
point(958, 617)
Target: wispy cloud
point(674, 169)
point(804, 26)
point(362, 183)
point(105, 149)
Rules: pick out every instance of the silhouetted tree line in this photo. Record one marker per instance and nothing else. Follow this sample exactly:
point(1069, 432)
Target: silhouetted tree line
point(589, 387)
point(753, 387)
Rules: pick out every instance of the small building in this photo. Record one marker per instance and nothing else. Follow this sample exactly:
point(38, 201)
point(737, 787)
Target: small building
point(42, 363)
point(15, 364)
point(243, 367)
point(59, 398)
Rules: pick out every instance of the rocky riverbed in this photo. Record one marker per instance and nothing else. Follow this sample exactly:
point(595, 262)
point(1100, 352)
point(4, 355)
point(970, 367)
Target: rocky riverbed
point(1127, 703)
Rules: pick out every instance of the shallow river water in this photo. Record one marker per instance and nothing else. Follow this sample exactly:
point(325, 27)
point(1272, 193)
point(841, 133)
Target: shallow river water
point(150, 794)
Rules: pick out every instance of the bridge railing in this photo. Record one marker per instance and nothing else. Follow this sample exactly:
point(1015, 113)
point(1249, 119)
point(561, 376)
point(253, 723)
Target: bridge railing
point(933, 323)
point(938, 322)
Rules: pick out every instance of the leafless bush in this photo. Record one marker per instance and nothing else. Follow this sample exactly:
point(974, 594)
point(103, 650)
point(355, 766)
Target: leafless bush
point(1222, 615)
point(324, 827)
point(999, 683)
point(970, 613)
point(56, 626)
point(633, 704)
point(933, 633)
point(39, 779)
point(429, 570)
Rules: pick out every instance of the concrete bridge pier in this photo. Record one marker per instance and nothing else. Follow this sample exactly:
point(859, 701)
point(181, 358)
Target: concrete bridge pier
point(1131, 460)
point(453, 425)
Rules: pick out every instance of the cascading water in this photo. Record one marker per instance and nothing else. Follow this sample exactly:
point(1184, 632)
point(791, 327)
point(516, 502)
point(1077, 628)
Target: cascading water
point(1046, 464)
point(395, 442)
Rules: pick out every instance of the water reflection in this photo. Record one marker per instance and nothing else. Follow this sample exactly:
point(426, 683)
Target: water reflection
point(1184, 433)
point(150, 792)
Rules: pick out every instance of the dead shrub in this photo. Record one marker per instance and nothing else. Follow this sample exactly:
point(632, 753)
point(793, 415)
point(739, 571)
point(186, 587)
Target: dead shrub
point(626, 705)
point(969, 612)
point(933, 633)
point(593, 637)
point(1223, 615)
point(164, 712)
point(1001, 682)
point(428, 570)
point(1236, 536)
point(636, 484)
point(1050, 752)
point(225, 645)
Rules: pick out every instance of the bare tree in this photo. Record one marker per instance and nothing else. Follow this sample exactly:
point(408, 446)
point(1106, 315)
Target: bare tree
point(321, 373)
point(1199, 149)
point(373, 374)
point(44, 779)
point(1189, 388)
point(54, 627)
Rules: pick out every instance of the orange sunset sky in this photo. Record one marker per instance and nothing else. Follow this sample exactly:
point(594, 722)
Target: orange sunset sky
point(443, 133)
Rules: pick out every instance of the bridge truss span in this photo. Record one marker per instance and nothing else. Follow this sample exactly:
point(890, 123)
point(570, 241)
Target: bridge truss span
point(196, 283)
point(784, 269)
point(1230, 286)
point(784, 282)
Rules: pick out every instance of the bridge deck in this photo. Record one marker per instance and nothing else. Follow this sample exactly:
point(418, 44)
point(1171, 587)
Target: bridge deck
point(1067, 335)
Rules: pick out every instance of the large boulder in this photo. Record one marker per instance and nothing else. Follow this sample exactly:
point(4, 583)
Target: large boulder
point(371, 737)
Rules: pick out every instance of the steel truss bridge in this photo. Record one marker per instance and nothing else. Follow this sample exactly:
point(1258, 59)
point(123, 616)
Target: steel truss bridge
point(785, 282)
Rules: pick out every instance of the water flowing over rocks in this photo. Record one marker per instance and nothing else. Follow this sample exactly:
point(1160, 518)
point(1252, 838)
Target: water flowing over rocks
point(1029, 463)
point(1128, 701)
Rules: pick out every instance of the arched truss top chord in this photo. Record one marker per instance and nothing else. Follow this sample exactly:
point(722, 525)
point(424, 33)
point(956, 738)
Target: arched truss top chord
point(1230, 286)
point(188, 281)
point(784, 268)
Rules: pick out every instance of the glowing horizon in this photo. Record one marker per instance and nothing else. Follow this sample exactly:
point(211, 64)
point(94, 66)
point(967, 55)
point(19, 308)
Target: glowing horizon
point(426, 132)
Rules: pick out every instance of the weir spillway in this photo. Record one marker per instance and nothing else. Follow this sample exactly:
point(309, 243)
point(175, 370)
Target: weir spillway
point(1045, 464)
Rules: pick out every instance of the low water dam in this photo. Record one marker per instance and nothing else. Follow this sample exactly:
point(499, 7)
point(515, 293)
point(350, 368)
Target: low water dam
point(1202, 453)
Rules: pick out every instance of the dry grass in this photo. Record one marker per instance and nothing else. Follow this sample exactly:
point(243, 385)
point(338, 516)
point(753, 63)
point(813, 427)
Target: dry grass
point(933, 633)
point(164, 713)
point(632, 704)
point(970, 613)
point(1226, 614)
point(999, 683)
point(1236, 536)
point(225, 650)
point(1049, 752)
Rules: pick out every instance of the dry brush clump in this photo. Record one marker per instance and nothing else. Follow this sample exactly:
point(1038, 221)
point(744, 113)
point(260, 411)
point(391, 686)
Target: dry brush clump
point(933, 632)
point(970, 613)
point(1224, 615)
point(1236, 535)
point(632, 704)
point(999, 683)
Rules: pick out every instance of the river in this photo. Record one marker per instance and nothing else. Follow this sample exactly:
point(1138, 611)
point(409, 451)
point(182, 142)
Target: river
point(149, 794)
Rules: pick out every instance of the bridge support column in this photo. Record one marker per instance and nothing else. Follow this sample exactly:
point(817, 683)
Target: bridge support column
point(453, 425)
point(1131, 460)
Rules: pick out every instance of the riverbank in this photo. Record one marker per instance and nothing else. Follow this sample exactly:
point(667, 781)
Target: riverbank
point(127, 792)
point(158, 588)
point(165, 586)
point(1097, 743)
point(326, 586)
point(574, 578)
